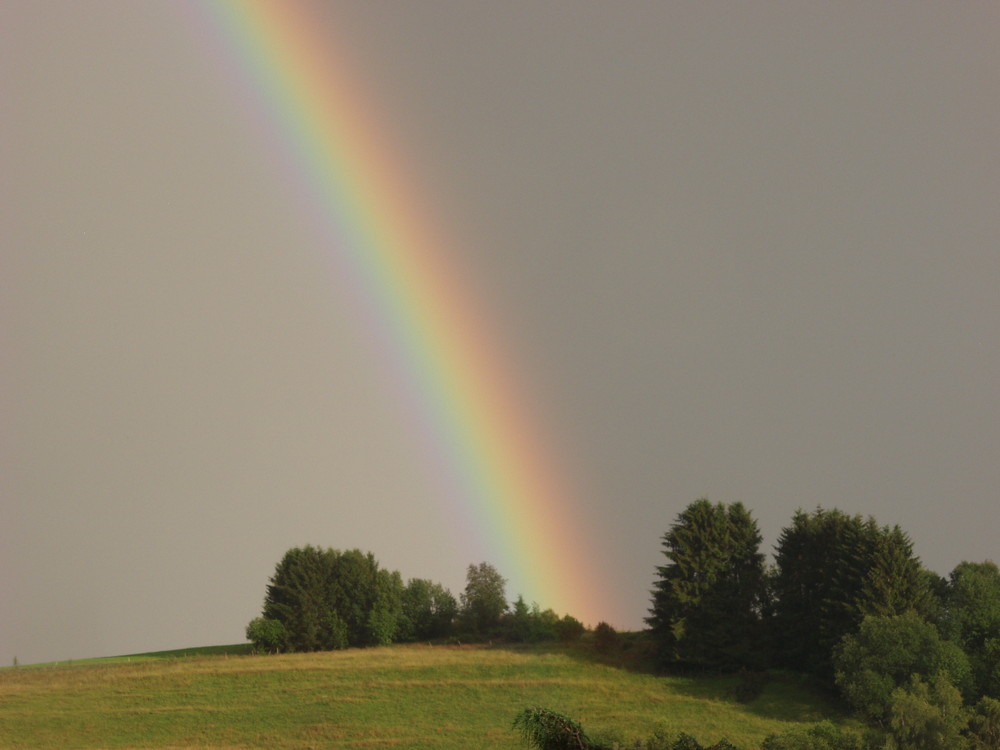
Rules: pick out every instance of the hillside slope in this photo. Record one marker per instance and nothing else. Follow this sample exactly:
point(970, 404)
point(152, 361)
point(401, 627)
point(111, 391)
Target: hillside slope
point(401, 696)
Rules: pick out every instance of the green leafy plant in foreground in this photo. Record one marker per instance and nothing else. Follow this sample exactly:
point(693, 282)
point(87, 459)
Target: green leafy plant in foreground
point(548, 730)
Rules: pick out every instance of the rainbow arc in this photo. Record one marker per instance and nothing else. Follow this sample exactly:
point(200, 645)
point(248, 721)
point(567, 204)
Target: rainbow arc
point(464, 389)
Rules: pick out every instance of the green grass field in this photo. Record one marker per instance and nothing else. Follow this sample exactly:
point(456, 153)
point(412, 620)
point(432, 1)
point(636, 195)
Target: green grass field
point(413, 696)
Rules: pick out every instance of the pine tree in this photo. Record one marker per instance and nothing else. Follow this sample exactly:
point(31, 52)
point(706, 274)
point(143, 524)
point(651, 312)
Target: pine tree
point(707, 601)
point(833, 569)
point(327, 599)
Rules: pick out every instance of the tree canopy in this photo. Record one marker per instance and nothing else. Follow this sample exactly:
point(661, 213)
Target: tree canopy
point(322, 599)
point(833, 569)
point(708, 598)
point(484, 600)
point(884, 654)
point(328, 599)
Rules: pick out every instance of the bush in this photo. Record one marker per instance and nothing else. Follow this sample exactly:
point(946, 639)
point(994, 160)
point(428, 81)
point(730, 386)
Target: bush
point(531, 624)
point(605, 638)
point(883, 655)
point(822, 736)
point(984, 726)
point(266, 635)
point(569, 629)
point(548, 730)
point(685, 741)
point(927, 717)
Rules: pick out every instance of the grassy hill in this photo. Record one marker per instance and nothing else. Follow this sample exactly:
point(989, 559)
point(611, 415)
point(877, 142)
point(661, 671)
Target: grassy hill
point(413, 696)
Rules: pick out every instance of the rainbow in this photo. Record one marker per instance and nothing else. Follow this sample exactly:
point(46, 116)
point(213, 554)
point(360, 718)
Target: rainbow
point(438, 343)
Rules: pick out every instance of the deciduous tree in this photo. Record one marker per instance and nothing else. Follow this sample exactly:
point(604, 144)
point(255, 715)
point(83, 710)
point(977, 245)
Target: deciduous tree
point(885, 653)
point(927, 716)
point(429, 610)
point(484, 600)
point(972, 619)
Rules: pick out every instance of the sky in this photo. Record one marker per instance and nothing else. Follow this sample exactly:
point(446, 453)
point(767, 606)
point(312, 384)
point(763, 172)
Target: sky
point(743, 251)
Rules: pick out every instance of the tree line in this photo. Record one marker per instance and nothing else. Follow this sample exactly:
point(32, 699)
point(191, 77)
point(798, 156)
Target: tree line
point(326, 599)
point(845, 600)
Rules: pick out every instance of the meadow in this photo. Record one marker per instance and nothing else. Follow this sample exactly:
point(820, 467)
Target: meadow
point(412, 696)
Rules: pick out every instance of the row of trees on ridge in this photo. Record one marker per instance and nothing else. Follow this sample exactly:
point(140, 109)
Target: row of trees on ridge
point(847, 601)
point(324, 599)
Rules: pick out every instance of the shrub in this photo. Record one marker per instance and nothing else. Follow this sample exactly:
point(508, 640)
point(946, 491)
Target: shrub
point(266, 635)
point(548, 730)
point(984, 726)
point(883, 655)
point(605, 638)
point(822, 736)
point(569, 629)
point(927, 717)
point(685, 741)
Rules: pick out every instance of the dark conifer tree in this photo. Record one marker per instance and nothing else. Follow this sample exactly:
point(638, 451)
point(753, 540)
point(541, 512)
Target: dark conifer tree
point(707, 602)
point(832, 570)
point(327, 599)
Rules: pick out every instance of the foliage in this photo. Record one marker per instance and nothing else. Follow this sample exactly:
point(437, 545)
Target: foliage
point(519, 621)
point(325, 599)
point(822, 736)
point(984, 725)
point(885, 652)
point(832, 570)
point(386, 609)
point(605, 638)
point(526, 624)
point(328, 599)
point(972, 619)
point(268, 636)
point(895, 581)
point(684, 741)
point(484, 600)
point(927, 716)
point(548, 730)
point(428, 611)
point(708, 599)
point(569, 629)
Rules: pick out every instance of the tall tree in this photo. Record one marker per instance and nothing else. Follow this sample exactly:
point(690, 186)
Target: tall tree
point(707, 602)
point(429, 610)
point(972, 619)
point(298, 596)
point(484, 600)
point(832, 569)
point(896, 582)
point(329, 599)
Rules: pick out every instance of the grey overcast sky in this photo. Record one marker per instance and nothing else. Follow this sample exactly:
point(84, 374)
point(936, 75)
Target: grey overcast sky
point(748, 251)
